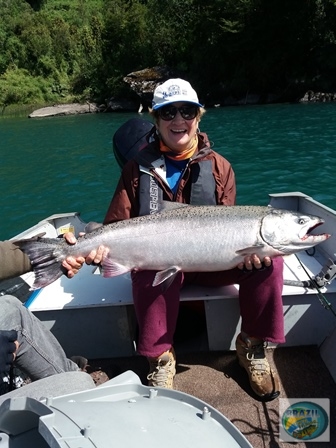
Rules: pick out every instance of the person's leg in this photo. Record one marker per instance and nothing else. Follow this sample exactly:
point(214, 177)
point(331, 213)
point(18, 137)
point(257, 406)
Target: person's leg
point(157, 314)
point(261, 309)
point(39, 354)
point(262, 321)
point(260, 297)
point(53, 386)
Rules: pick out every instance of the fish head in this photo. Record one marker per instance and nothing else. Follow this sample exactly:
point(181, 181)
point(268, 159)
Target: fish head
point(289, 232)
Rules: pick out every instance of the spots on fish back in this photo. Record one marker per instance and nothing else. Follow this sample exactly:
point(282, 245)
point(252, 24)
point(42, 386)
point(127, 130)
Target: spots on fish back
point(194, 211)
point(234, 211)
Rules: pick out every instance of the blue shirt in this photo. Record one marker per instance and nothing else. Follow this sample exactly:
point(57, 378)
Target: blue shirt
point(175, 169)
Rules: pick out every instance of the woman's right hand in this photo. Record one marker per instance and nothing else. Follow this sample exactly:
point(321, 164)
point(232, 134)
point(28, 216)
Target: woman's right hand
point(96, 256)
point(73, 264)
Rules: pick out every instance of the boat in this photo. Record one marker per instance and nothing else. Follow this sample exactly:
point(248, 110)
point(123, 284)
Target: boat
point(208, 325)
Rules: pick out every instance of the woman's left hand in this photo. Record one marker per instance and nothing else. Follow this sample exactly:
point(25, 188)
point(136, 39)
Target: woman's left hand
point(254, 262)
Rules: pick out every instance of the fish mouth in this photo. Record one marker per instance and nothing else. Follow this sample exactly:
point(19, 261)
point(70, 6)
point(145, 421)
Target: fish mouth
point(317, 238)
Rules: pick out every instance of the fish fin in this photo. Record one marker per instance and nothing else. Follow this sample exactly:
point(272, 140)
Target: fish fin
point(33, 238)
point(110, 268)
point(46, 264)
point(166, 277)
point(249, 250)
point(91, 226)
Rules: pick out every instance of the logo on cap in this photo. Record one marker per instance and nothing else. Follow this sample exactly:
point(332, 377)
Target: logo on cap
point(174, 90)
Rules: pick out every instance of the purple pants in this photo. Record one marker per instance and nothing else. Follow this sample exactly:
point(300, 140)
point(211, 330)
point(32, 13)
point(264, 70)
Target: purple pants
point(260, 300)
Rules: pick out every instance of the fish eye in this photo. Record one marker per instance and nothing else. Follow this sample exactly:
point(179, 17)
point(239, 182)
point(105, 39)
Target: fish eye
point(302, 220)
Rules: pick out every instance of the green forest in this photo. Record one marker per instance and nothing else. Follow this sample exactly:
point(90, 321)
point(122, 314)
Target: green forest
point(57, 51)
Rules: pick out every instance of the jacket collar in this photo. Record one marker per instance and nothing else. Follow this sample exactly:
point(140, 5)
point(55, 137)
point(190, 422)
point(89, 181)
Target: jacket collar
point(150, 155)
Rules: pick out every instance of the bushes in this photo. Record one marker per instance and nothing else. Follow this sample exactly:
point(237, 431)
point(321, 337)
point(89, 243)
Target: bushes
point(17, 86)
point(53, 49)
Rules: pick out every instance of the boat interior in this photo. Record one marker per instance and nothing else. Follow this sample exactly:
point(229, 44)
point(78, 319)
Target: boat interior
point(208, 325)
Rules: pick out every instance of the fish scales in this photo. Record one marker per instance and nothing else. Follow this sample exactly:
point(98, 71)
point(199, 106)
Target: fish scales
point(176, 238)
point(187, 238)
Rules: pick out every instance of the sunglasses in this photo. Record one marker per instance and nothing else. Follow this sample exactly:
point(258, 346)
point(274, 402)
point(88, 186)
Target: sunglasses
point(168, 113)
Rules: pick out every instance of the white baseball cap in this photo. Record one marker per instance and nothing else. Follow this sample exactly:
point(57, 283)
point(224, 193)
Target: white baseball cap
point(172, 91)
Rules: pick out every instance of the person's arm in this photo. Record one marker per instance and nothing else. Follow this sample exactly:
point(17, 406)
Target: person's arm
point(225, 181)
point(125, 202)
point(13, 261)
point(8, 347)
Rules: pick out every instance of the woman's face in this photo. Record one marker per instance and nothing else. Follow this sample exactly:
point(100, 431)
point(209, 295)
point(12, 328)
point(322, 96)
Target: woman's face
point(178, 133)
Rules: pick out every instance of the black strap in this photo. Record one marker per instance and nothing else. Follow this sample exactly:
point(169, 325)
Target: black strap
point(150, 195)
point(203, 185)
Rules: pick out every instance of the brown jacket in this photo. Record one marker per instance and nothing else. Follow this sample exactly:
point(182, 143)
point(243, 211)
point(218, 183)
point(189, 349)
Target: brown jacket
point(125, 202)
point(13, 261)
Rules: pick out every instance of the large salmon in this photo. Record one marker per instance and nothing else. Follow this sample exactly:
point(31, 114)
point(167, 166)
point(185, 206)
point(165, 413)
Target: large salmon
point(184, 238)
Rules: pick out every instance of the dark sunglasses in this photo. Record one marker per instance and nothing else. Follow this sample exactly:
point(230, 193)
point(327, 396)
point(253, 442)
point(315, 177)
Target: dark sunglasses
point(168, 113)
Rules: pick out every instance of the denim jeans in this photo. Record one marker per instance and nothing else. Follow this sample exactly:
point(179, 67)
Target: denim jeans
point(39, 354)
point(53, 386)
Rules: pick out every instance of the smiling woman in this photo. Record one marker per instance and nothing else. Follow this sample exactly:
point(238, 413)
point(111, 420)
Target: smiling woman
point(178, 165)
point(177, 114)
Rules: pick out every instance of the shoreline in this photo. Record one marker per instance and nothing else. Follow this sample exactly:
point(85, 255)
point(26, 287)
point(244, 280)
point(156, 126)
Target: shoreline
point(122, 106)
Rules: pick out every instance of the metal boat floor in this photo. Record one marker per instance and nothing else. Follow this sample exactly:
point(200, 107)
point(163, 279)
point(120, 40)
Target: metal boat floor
point(217, 378)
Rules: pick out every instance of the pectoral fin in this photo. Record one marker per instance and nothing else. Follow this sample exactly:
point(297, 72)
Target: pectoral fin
point(249, 250)
point(165, 278)
point(111, 269)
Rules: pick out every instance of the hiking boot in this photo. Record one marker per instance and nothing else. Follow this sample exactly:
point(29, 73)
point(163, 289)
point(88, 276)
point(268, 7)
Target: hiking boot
point(162, 370)
point(263, 380)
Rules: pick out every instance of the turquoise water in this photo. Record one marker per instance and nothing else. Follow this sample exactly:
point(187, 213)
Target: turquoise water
point(65, 164)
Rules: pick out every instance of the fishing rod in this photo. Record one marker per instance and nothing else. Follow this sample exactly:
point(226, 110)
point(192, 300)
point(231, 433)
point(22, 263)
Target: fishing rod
point(325, 277)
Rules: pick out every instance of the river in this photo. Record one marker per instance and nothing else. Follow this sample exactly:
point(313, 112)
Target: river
point(65, 164)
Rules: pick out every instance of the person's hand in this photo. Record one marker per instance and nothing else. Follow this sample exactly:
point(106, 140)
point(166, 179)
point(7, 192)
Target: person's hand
point(72, 264)
point(253, 262)
point(8, 348)
point(96, 256)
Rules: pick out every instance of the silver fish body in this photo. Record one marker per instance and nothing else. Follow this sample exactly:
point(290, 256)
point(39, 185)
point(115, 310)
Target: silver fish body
point(184, 238)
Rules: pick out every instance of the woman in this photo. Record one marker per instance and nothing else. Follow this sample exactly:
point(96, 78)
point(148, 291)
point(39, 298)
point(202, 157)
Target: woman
point(179, 165)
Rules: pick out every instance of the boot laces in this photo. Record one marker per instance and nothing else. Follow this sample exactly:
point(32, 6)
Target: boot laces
point(162, 371)
point(255, 354)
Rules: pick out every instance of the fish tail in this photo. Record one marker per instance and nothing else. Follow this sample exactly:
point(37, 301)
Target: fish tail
point(46, 256)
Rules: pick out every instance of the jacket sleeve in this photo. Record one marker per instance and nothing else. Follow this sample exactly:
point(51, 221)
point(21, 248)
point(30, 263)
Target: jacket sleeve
point(13, 261)
point(125, 202)
point(225, 181)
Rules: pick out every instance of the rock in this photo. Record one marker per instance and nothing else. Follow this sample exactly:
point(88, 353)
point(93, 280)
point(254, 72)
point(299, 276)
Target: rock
point(115, 105)
point(65, 109)
point(317, 97)
point(144, 82)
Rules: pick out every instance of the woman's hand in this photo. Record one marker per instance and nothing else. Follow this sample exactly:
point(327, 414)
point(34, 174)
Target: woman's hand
point(96, 256)
point(73, 265)
point(253, 262)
